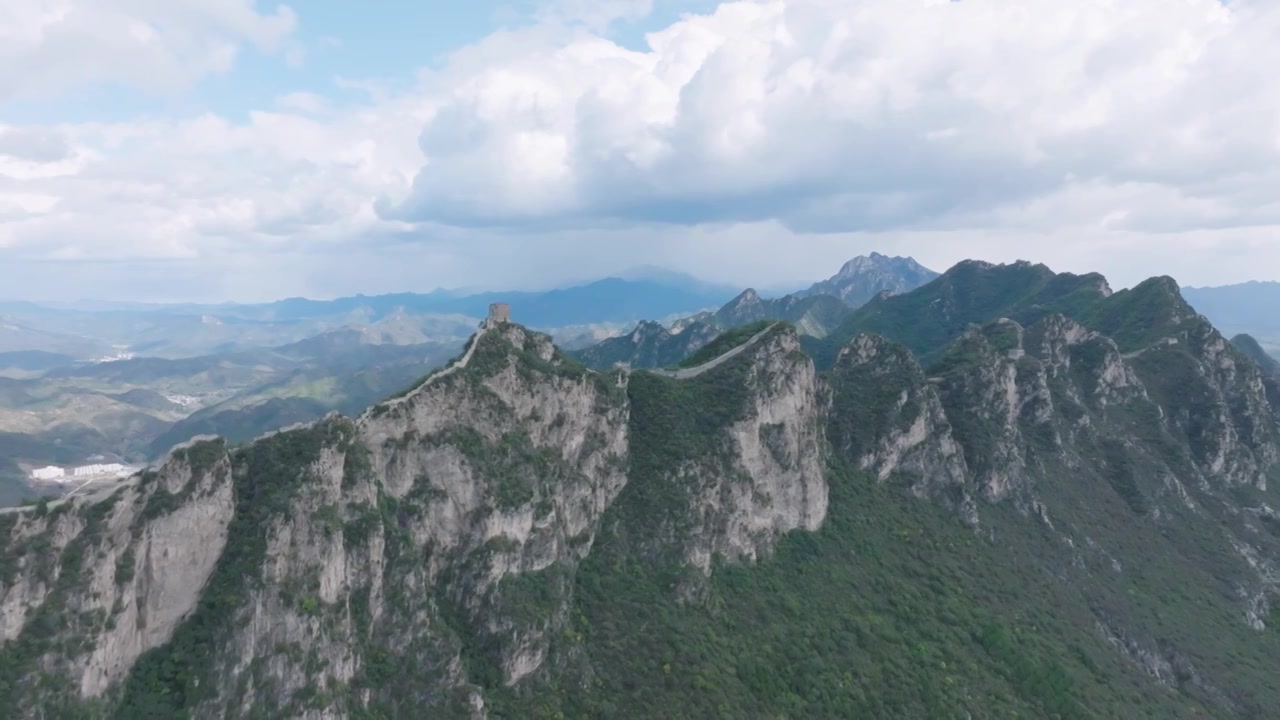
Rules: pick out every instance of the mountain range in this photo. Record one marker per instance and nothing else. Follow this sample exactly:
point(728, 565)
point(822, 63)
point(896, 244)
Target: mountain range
point(815, 312)
point(1243, 308)
point(1006, 493)
point(345, 354)
point(348, 354)
point(185, 330)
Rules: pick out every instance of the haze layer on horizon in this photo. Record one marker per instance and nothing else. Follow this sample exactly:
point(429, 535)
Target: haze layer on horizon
point(209, 150)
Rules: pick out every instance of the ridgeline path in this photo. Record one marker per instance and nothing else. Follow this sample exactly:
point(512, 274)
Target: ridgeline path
point(693, 372)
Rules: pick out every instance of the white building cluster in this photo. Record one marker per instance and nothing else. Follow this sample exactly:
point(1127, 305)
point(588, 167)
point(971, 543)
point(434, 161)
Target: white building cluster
point(56, 474)
point(108, 469)
point(52, 472)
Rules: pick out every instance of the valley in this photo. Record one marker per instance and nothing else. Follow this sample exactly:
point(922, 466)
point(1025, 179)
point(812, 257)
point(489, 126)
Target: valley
point(343, 356)
point(1007, 492)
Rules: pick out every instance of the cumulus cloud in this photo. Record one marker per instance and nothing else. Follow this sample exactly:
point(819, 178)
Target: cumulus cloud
point(946, 128)
point(36, 144)
point(835, 115)
point(50, 46)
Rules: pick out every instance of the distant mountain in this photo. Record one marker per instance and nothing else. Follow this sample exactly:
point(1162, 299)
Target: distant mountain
point(813, 316)
point(33, 360)
point(610, 300)
point(1249, 346)
point(971, 292)
point(1025, 497)
point(865, 277)
point(20, 335)
point(176, 332)
point(241, 424)
point(188, 330)
point(814, 312)
point(1252, 308)
point(650, 345)
point(818, 310)
point(138, 408)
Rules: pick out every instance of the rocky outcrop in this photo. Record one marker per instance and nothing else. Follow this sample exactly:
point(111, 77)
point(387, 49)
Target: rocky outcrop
point(117, 576)
point(862, 278)
point(990, 389)
point(427, 558)
point(888, 419)
point(328, 560)
point(771, 480)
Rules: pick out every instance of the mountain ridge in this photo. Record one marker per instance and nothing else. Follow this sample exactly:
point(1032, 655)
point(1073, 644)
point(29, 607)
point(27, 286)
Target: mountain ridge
point(862, 278)
point(1242, 308)
point(814, 312)
point(1043, 519)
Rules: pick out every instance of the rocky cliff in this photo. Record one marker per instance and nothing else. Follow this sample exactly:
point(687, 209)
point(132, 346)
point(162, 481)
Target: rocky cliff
point(1054, 507)
point(439, 531)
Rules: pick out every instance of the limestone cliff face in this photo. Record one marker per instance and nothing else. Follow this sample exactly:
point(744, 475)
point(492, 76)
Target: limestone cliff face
point(114, 577)
point(1217, 399)
point(888, 419)
point(400, 562)
point(423, 560)
point(1024, 398)
point(990, 389)
point(775, 480)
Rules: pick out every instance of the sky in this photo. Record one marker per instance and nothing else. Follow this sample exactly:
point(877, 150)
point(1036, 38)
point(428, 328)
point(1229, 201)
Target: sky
point(210, 150)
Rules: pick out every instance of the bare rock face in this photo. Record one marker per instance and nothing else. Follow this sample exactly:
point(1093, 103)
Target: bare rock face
point(326, 559)
point(167, 568)
point(118, 575)
point(423, 559)
point(990, 389)
point(1223, 408)
point(517, 461)
point(770, 481)
point(888, 418)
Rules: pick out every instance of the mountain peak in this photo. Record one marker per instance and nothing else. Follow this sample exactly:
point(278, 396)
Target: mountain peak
point(863, 263)
point(866, 276)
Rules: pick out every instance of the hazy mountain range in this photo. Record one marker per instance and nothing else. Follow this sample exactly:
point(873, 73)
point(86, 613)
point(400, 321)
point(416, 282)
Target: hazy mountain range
point(1252, 307)
point(1008, 492)
point(184, 330)
point(815, 312)
point(240, 370)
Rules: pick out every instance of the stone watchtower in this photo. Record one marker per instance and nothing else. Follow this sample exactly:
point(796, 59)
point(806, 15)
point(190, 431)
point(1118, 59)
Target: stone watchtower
point(498, 313)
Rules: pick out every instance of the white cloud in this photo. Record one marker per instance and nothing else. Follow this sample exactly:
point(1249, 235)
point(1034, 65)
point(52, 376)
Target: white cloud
point(50, 46)
point(1082, 133)
point(835, 115)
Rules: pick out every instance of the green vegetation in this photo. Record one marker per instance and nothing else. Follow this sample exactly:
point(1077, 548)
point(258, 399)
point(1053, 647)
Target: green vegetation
point(167, 682)
point(1137, 317)
point(866, 397)
point(725, 342)
point(1113, 557)
point(928, 319)
point(891, 610)
point(125, 565)
point(57, 626)
point(674, 423)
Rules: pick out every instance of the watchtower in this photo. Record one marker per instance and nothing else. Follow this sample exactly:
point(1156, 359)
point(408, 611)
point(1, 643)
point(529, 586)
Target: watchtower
point(499, 313)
